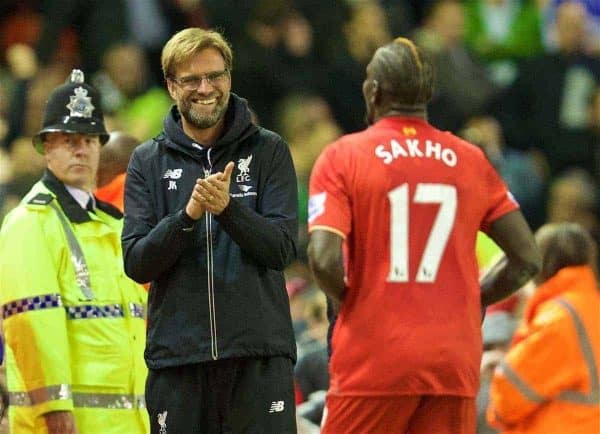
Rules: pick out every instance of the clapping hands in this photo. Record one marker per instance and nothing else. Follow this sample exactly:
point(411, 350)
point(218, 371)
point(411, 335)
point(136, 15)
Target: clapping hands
point(210, 194)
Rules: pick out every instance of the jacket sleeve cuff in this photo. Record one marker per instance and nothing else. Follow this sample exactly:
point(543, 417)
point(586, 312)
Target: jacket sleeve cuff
point(186, 222)
point(53, 405)
point(229, 212)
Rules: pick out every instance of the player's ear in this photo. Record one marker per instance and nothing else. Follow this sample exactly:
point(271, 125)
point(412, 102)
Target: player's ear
point(171, 88)
point(375, 92)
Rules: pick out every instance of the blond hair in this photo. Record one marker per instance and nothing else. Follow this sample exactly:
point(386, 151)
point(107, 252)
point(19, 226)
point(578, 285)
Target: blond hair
point(186, 43)
point(404, 72)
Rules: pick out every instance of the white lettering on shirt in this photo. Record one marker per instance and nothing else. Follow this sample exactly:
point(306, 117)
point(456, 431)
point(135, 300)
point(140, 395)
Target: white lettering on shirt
point(411, 149)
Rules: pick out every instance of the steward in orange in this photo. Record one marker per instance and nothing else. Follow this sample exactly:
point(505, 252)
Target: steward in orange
point(548, 383)
point(114, 157)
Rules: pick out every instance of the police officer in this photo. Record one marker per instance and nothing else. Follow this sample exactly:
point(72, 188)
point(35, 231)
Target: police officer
point(73, 321)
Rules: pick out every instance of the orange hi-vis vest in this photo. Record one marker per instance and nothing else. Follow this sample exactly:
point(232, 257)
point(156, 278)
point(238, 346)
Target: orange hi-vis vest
point(548, 382)
point(113, 192)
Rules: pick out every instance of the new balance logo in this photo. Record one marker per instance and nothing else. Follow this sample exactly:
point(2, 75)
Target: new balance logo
point(277, 407)
point(173, 174)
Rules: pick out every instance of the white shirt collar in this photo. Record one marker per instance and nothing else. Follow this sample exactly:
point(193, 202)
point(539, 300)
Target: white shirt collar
point(81, 196)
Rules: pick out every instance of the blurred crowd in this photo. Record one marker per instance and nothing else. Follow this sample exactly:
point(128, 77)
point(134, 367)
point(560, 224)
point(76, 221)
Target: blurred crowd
point(519, 78)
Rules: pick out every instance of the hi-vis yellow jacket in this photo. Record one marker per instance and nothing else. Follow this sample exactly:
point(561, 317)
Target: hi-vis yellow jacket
point(73, 322)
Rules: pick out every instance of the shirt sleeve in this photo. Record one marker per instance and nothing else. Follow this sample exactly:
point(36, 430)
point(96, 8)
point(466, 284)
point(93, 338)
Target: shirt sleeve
point(329, 204)
point(501, 201)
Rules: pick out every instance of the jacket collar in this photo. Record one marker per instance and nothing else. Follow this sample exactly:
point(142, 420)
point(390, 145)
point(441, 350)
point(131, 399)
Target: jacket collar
point(578, 278)
point(238, 126)
point(69, 205)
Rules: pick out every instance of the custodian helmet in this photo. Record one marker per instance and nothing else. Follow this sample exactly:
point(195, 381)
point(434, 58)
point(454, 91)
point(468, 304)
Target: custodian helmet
point(73, 107)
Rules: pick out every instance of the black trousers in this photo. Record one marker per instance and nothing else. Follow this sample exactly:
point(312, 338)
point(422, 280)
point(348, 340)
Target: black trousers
point(231, 396)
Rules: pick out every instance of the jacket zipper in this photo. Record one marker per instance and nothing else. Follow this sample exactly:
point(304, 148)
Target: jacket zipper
point(209, 274)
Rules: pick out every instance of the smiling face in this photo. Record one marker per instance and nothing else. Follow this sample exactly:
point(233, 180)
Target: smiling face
point(205, 106)
point(73, 158)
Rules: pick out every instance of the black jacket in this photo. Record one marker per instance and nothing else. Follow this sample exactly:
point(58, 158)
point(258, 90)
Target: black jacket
point(217, 288)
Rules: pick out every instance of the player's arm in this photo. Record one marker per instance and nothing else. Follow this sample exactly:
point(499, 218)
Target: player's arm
point(521, 261)
point(327, 264)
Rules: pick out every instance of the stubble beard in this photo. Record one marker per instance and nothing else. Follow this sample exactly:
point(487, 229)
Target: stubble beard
point(203, 121)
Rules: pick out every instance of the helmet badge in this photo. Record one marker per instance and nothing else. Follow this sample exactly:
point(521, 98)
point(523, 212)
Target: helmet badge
point(80, 104)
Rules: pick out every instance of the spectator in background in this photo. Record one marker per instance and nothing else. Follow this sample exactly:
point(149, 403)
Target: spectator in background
point(29, 90)
point(149, 28)
point(403, 274)
point(311, 370)
point(574, 197)
point(551, 114)
point(402, 16)
point(19, 27)
point(311, 373)
point(21, 168)
point(134, 103)
point(114, 158)
point(462, 85)
point(522, 171)
point(69, 28)
point(365, 29)
point(594, 124)
point(502, 32)
point(592, 44)
point(278, 50)
point(98, 25)
point(307, 123)
point(74, 329)
point(548, 383)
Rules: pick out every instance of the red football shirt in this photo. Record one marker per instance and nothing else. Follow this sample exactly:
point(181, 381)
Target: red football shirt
point(408, 200)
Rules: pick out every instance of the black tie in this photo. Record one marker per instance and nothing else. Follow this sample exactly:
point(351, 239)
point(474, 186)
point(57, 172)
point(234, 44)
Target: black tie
point(90, 205)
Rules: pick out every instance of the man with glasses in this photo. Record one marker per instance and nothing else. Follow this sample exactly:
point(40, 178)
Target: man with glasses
point(211, 222)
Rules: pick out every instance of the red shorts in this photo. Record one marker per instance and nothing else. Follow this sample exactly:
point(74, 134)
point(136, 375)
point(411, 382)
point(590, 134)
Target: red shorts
point(417, 414)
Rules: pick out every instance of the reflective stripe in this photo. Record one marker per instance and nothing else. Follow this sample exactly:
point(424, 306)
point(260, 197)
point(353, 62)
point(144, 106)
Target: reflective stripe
point(519, 384)
point(575, 396)
point(137, 310)
point(80, 400)
point(108, 400)
point(104, 311)
point(82, 274)
point(38, 302)
point(38, 396)
point(73, 312)
point(572, 396)
point(92, 311)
